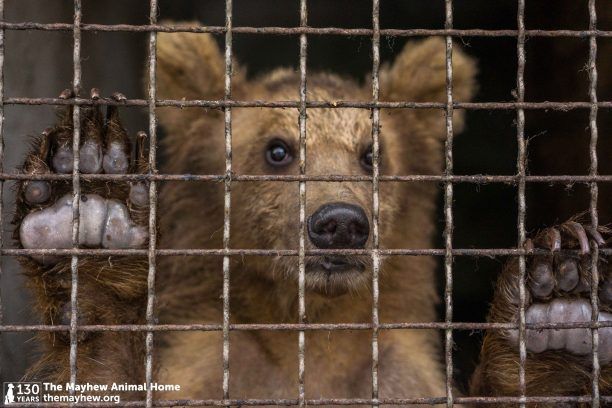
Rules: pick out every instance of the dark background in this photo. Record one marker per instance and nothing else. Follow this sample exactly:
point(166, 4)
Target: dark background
point(40, 64)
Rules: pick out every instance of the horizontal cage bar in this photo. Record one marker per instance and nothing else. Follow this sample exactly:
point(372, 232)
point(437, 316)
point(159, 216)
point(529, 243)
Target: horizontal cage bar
point(485, 252)
point(304, 326)
point(415, 32)
point(229, 103)
point(474, 179)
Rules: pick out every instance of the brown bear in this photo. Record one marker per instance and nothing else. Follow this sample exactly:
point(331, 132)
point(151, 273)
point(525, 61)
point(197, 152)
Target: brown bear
point(264, 215)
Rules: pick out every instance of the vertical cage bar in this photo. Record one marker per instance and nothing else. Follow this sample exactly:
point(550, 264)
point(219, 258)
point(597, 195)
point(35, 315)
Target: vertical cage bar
point(594, 192)
point(76, 189)
point(227, 197)
point(1, 167)
point(375, 194)
point(152, 261)
point(302, 221)
point(521, 172)
point(448, 208)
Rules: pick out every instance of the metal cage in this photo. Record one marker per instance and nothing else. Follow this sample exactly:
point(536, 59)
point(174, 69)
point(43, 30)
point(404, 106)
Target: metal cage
point(448, 179)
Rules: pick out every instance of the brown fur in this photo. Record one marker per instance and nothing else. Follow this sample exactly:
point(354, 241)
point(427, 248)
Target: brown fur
point(548, 373)
point(108, 288)
point(264, 215)
point(264, 289)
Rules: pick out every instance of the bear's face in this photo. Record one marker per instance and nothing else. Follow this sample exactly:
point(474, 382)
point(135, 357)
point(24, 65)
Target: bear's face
point(338, 215)
point(266, 141)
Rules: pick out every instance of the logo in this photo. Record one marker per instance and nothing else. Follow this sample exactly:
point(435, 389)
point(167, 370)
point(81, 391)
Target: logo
point(21, 392)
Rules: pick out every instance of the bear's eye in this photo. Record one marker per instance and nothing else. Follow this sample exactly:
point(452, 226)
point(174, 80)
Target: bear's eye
point(278, 153)
point(366, 158)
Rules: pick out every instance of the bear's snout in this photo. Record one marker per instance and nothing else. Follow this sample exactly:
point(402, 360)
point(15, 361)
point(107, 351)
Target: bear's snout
point(339, 225)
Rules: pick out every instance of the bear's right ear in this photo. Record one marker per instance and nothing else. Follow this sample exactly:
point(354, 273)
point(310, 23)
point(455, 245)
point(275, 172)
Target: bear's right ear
point(419, 75)
point(191, 66)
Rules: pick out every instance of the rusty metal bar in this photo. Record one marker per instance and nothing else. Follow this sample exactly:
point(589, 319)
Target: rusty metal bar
point(76, 192)
point(375, 196)
point(302, 211)
point(484, 252)
point(594, 192)
point(220, 104)
point(227, 196)
point(1, 167)
point(335, 401)
point(416, 32)
point(332, 178)
point(152, 164)
point(305, 326)
point(448, 208)
point(521, 172)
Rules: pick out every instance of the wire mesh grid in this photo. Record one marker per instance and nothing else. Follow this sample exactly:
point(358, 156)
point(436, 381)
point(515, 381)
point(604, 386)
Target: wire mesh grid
point(448, 179)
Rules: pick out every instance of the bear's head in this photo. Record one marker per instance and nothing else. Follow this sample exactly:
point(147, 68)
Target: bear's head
point(266, 141)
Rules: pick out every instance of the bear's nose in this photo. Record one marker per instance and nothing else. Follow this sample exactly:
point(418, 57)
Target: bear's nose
point(338, 225)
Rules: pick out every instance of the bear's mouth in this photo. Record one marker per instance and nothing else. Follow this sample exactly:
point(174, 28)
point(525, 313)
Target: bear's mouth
point(335, 264)
point(333, 276)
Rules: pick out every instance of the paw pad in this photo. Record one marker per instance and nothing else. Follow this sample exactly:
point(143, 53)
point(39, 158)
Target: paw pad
point(45, 214)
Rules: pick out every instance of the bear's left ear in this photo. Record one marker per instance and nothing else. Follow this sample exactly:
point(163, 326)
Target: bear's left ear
point(191, 66)
point(419, 75)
